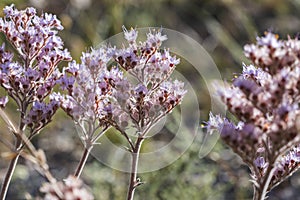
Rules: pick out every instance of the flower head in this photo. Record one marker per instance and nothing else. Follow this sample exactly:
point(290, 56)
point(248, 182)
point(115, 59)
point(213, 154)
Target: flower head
point(155, 94)
point(131, 35)
point(98, 91)
point(88, 86)
point(31, 79)
point(265, 100)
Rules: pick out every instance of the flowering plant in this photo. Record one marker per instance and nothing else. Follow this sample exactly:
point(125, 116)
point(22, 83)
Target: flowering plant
point(28, 77)
point(96, 93)
point(264, 100)
point(99, 96)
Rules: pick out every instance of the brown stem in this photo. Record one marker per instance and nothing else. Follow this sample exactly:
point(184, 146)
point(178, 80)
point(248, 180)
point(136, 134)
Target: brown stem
point(18, 148)
point(261, 193)
point(83, 160)
point(134, 166)
point(90, 141)
point(11, 168)
point(8, 176)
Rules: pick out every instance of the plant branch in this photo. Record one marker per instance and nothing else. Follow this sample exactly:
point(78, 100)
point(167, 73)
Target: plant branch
point(134, 182)
point(83, 160)
point(261, 193)
point(8, 176)
point(17, 150)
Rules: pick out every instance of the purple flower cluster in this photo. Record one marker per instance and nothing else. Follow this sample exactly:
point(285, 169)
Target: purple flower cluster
point(155, 95)
point(110, 87)
point(35, 37)
point(151, 95)
point(89, 87)
point(286, 166)
point(121, 88)
point(99, 94)
point(145, 107)
point(145, 60)
point(265, 101)
point(30, 80)
point(28, 77)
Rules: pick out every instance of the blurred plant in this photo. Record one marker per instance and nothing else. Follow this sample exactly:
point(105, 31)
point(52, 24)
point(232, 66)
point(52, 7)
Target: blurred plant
point(99, 96)
point(265, 102)
point(71, 188)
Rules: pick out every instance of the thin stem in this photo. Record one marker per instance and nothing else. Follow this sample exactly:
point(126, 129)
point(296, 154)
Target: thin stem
point(89, 143)
point(134, 166)
point(83, 160)
point(8, 176)
point(125, 135)
point(94, 140)
point(261, 192)
point(11, 169)
point(18, 147)
point(8, 122)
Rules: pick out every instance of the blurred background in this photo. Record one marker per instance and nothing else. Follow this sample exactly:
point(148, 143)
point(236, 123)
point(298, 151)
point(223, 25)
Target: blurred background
point(222, 27)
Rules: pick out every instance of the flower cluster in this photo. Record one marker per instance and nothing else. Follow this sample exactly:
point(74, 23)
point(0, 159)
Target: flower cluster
point(265, 101)
point(70, 188)
point(32, 78)
point(155, 95)
point(35, 37)
point(40, 115)
point(286, 166)
point(149, 96)
point(88, 87)
point(97, 91)
point(99, 94)
point(109, 87)
point(145, 60)
point(145, 107)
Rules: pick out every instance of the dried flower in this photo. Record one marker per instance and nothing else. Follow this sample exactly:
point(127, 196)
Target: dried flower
point(152, 95)
point(150, 65)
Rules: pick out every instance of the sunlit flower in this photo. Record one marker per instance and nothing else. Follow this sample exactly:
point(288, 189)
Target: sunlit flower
point(31, 79)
